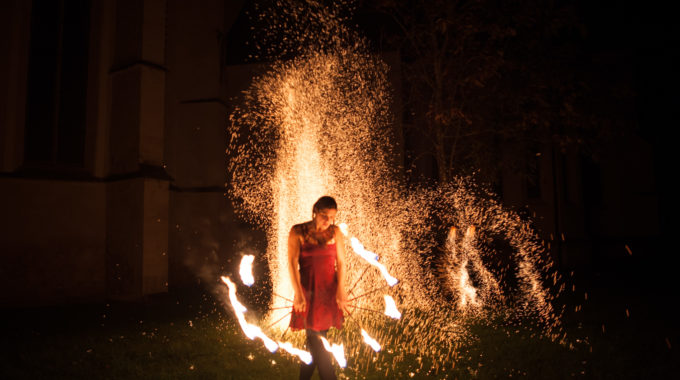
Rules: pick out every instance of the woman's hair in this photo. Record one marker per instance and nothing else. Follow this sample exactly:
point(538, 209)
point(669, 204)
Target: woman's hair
point(325, 203)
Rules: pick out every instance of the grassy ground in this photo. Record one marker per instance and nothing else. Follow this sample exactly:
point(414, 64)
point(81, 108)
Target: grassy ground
point(187, 336)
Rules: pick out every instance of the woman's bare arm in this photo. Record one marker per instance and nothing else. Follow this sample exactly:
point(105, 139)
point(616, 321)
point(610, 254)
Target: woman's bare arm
point(299, 302)
point(341, 296)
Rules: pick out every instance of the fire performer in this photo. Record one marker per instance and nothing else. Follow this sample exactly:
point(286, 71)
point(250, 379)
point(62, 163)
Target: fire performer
point(316, 262)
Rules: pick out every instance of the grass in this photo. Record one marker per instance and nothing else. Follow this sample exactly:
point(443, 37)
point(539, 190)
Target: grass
point(164, 338)
point(188, 335)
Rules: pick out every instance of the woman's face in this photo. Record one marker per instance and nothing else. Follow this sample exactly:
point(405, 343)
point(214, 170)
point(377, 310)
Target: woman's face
point(324, 218)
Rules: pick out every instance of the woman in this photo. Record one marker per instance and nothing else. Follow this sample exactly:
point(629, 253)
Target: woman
point(317, 248)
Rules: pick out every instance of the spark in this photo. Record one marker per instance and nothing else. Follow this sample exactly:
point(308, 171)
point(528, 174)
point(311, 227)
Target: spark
point(381, 287)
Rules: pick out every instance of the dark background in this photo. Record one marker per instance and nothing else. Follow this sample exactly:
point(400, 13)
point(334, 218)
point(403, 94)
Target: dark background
point(113, 169)
point(77, 113)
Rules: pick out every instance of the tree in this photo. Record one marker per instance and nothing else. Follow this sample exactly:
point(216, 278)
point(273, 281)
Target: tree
point(483, 74)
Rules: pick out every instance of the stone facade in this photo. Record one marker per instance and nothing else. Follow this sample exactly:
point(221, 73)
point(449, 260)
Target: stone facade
point(112, 224)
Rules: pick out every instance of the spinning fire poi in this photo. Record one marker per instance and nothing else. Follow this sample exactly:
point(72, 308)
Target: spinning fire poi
point(316, 256)
point(320, 123)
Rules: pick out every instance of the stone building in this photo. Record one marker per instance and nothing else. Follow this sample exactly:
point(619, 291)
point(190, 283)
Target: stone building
point(112, 140)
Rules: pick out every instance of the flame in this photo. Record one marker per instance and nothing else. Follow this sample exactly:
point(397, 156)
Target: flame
point(451, 240)
point(305, 356)
point(361, 251)
point(391, 308)
point(338, 352)
point(322, 110)
point(468, 292)
point(470, 232)
point(344, 229)
point(464, 255)
point(246, 270)
point(370, 341)
point(251, 331)
point(372, 259)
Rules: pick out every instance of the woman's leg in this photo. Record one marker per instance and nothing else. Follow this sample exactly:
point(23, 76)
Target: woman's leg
point(321, 358)
point(307, 370)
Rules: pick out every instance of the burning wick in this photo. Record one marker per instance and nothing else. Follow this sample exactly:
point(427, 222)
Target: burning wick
point(391, 308)
point(246, 270)
point(305, 356)
point(337, 351)
point(251, 331)
point(370, 341)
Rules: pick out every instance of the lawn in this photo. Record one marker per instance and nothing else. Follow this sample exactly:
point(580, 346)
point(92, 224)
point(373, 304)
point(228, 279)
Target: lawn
point(189, 335)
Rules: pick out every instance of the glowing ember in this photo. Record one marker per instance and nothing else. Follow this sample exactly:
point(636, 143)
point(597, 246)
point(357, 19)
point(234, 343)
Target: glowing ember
point(251, 331)
point(305, 356)
point(246, 270)
point(370, 341)
point(372, 259)
point(338, 352)
point(391, 308)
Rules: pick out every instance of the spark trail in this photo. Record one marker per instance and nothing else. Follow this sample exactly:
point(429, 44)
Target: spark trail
point(319, 123)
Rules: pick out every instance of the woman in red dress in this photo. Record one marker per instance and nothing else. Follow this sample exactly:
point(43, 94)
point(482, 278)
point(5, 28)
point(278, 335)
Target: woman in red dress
point(316, 262)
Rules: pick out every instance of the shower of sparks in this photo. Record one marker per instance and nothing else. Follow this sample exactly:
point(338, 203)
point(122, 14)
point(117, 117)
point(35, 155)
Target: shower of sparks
point(318, 123)
point(338, 352)
point(370, 341)
point(246, 270)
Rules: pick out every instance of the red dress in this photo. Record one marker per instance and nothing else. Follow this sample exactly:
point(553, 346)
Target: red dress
point(319, 283)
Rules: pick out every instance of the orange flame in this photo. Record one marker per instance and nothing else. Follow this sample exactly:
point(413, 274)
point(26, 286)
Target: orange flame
point(372, 259)
point(251, 331)
point(370, 341)
point(338, 352)
point(305, 356)
point(246, 270)
point(391, 308)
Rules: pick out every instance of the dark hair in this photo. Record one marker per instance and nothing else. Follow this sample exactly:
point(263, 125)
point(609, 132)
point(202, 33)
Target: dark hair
point(325, 203)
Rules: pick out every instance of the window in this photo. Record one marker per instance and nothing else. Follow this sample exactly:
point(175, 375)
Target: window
point(57, 83)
